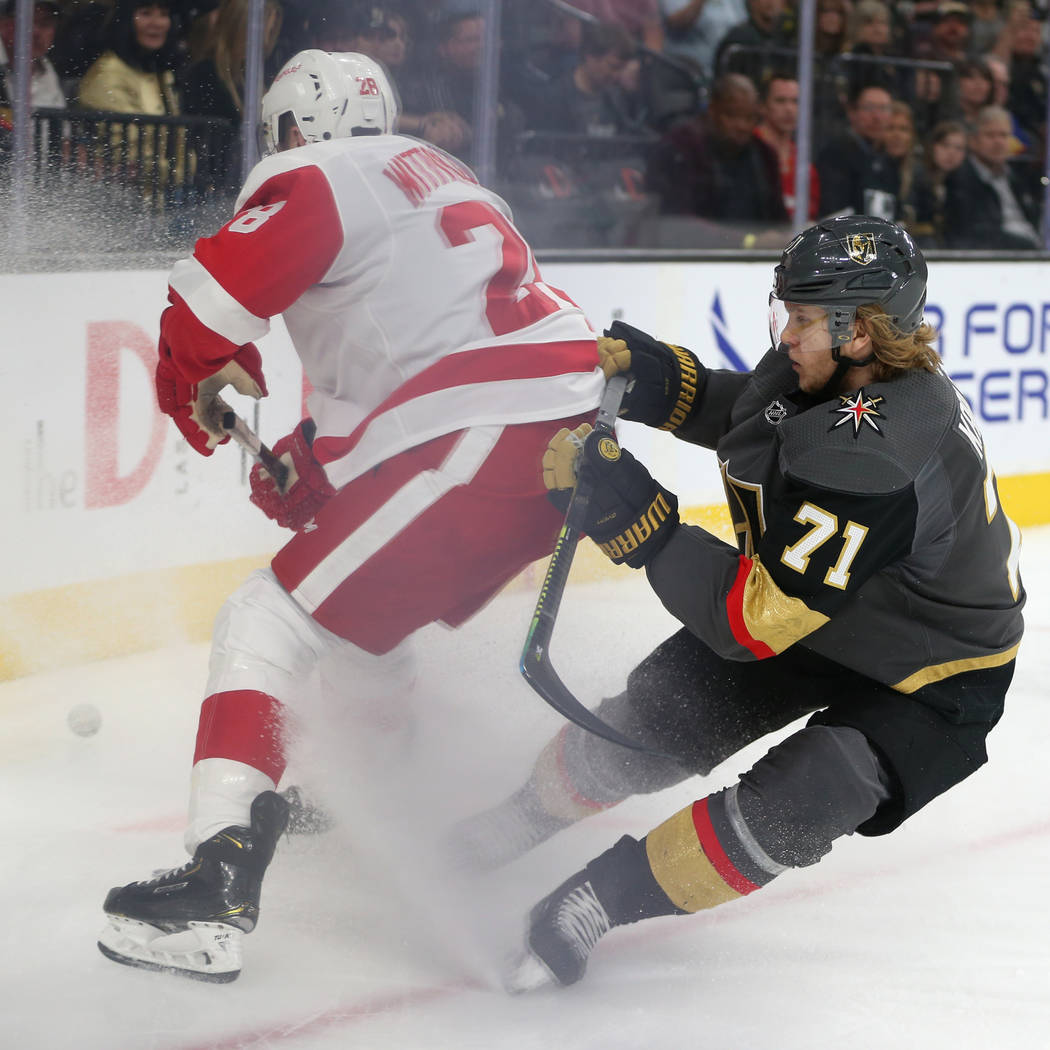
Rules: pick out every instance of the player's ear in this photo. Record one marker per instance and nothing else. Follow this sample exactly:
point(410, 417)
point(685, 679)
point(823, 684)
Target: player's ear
point(861, 339)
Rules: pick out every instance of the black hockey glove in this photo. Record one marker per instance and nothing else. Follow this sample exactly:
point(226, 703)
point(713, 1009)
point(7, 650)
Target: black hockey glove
point(668, 379)
point(630, 516)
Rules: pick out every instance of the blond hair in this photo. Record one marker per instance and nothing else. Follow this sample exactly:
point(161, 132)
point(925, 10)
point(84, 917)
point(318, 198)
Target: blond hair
point(229, 38)
point(897, 352)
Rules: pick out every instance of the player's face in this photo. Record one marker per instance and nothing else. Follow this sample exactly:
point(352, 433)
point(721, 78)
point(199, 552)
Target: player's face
point(803, 333)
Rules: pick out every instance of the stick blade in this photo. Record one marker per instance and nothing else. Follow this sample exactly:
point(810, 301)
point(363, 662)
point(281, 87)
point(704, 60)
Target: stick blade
point(537, 670)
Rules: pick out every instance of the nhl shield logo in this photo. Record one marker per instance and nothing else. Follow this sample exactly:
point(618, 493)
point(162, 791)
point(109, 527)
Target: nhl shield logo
point(861, 248)
point(775, 412)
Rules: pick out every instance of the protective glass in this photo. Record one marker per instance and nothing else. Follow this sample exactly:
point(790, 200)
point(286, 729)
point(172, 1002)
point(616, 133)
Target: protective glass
point(805, 324)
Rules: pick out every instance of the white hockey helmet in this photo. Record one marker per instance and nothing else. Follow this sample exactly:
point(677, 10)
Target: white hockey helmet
point(330, 95)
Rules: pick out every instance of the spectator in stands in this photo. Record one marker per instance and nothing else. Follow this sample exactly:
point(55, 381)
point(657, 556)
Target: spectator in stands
point(778, 121)
point(715, 167)
point(539, 53)
point(693, 29)
point(640, 18)
point(1028, 76)
point(1020, 140)
point(975, 90)
point(949, 39)
point(438, 93)
point(944, 153)
point(214, 87)
point(829, 91)
point(856, 176)
point(1016, 12)
point(753, 46)
point(136, 74)
point(369, 29)
point(1000, 73)
point(901, 144)
point(871, 41)
point(81, 38)
point(870, 29)
point(385, 38)
point(427, 19)
point(385, 34)
point(196, 21)
point(45, 88)
point(987, 26)
point(946, 40)
point(589, 99)
point(832, 32)
point(987, 204)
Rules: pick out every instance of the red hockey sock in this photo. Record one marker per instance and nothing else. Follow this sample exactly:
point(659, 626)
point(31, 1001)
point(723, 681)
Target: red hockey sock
point(244, 725)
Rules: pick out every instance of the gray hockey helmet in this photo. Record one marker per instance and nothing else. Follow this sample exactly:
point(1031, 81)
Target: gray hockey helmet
point(845, 262)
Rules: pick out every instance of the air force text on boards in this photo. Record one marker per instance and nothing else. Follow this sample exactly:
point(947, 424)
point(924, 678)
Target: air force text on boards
point(998, 354)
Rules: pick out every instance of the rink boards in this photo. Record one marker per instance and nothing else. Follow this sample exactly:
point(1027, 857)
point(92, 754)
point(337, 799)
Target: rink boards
point(121, 538)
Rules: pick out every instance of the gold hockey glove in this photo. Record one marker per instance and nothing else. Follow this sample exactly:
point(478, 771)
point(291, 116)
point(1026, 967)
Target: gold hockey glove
point(561, 458)
point(613, 356)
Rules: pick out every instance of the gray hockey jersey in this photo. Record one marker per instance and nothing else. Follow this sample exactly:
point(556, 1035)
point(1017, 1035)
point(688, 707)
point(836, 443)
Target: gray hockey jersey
point(869, 529)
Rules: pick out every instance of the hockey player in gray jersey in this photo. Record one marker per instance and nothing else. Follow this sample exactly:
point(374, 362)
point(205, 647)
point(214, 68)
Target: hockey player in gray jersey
point(875, 582)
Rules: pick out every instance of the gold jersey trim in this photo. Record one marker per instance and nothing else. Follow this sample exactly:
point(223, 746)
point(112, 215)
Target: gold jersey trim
point(938, 672)
point(773, 617)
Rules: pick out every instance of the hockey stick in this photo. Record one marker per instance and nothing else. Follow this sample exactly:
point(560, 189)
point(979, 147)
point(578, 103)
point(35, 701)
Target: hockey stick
point(535, 665)
point(249, 440)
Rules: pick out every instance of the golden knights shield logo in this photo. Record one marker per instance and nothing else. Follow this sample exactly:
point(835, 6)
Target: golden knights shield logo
point(861, 248)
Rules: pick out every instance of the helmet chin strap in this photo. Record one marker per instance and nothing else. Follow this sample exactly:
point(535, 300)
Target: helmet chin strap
point(842, 365)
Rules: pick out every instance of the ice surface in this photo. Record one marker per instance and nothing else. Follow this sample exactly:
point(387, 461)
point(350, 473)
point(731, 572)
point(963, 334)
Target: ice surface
point(935, 937)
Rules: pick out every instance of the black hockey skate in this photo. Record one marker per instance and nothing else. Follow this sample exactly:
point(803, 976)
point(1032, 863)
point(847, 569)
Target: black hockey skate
point(190, 920)
point(563, 930)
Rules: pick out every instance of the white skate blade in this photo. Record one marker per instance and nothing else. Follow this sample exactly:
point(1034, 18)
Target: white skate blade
point(207, 951)
point(526, 974)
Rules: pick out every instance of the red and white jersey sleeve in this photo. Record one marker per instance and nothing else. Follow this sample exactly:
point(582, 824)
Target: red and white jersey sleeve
point(282, 240)
point(413, 302)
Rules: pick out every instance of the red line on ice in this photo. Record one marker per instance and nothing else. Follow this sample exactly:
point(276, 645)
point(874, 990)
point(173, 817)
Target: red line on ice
point(336, 1017)
point(348, 1015)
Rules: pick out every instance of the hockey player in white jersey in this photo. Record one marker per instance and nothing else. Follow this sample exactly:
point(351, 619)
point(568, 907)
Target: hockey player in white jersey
point(441, 365)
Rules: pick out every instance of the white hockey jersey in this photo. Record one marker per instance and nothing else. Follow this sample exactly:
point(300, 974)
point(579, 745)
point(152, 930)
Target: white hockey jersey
point(412, 300)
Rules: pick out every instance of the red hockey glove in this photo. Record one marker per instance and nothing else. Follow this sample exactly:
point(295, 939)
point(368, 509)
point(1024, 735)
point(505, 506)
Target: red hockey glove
point(197, 407)
point(307, 489)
